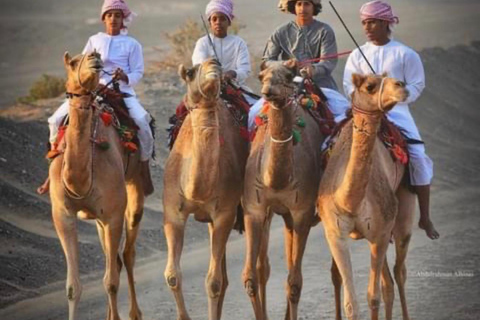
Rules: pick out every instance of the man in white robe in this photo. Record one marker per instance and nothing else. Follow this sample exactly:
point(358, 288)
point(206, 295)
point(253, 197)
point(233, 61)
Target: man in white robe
point(403, 63)
point(122, 56)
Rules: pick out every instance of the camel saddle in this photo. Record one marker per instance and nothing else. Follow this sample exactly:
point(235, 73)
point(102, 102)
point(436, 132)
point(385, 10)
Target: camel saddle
point(116, 113)
point(233, 100)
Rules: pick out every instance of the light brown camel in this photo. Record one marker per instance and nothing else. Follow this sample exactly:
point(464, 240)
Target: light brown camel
point(361, 196)
point(203, 175)
point(280, 178)
point(89, 183)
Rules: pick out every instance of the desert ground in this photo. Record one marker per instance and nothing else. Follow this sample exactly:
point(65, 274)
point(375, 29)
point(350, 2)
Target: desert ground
point(443, 275)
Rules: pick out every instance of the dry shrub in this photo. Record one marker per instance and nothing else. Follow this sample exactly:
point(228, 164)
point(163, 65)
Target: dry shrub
point(45, 88)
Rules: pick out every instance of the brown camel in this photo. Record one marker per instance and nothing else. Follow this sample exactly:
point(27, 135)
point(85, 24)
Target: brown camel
point(361, 196)
point(280, 178)
point(203, 175)
point(89, 183)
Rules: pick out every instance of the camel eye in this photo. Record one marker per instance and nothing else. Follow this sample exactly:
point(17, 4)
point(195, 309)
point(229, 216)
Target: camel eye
point(190, 73)
point(370, 87)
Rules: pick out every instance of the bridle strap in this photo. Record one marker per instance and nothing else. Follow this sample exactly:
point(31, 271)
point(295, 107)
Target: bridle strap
point(380, 93)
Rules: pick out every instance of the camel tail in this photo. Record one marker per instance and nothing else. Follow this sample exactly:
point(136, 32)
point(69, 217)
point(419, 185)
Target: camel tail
point(239, 223)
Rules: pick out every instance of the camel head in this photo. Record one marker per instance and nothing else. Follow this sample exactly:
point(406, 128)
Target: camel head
point(277, 80)
point(203, 82)
point(83, 72)
point(377, 93)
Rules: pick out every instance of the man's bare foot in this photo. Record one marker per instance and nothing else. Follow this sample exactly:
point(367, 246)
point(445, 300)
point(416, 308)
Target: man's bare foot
point(427, 225)
point(44, 187)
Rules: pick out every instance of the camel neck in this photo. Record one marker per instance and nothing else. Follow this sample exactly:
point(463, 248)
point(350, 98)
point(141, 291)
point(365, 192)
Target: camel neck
point(204, 167)
point(78, 154)
point(279, 164)
point(353, 188)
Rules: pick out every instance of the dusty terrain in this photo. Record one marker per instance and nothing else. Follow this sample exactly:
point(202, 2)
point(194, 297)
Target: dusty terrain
point(444, 275)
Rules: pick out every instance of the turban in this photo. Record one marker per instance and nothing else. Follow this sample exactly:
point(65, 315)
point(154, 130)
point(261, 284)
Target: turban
point(378, 10)
point(222, 6)
point(115, 5)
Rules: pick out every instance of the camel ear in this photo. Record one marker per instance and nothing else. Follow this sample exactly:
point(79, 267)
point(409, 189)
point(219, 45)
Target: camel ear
point(384, 75)
point(358, 80)
point(182, 72)
point(263, 65)
point(66, 59)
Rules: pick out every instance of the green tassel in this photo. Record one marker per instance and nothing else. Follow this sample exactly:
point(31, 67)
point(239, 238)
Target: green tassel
point(297, 137)
point(310, 103)
point(301, 122)
point(103, 145)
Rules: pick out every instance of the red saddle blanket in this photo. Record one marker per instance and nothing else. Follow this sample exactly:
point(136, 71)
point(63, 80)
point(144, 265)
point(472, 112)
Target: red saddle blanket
point(389, 134)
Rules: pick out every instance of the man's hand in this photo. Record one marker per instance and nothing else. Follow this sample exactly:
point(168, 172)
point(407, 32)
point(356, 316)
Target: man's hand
point(229, 75)
point(307, 70)
point(120, 75)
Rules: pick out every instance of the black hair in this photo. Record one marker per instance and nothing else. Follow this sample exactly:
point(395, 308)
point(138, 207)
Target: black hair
point(317, 8)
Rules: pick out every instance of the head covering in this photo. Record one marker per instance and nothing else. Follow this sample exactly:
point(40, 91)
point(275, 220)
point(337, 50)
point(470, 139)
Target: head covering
point(288, 5)
point(222, 6)
point(378, 10)
point(119, 5)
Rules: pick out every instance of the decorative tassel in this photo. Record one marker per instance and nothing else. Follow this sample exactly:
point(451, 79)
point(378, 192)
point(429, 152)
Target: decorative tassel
point(301, 122)
point(297, 136)
point(103, 145)
point(130, 146)
point(106, 118)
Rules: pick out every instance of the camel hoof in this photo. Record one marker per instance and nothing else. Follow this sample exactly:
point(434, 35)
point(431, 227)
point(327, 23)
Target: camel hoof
point(250, 287)
point(136, 315)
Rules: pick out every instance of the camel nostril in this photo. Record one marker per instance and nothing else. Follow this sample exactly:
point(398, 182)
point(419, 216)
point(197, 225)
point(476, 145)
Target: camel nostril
point(400, 84)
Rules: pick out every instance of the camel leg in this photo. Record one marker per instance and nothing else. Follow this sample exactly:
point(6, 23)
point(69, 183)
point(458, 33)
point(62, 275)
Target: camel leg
point(225, 285)
point(337, 284)
point(133, 216)
point(388, 292)
point(402, 232)
point(338, 244)
point(174, 233)
point(263, 269)
point(101, 236)
point(378, 252)
point(288, 236)
point(219, 232)
point(253, 236)
point(295, 279)
point(66, 227)
point(113, 233)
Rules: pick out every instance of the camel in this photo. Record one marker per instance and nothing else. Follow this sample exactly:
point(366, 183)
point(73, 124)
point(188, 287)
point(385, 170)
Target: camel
point(280, 178)
point(203, 175)
point(361, 195)
point(90, 183)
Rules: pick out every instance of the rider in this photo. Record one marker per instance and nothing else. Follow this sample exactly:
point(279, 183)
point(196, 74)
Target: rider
point(122, 56)
point(403, 63)
point(306, 38)
point(230, 50)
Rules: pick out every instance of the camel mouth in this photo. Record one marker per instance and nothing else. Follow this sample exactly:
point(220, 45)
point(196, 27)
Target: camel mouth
point(96, 66)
